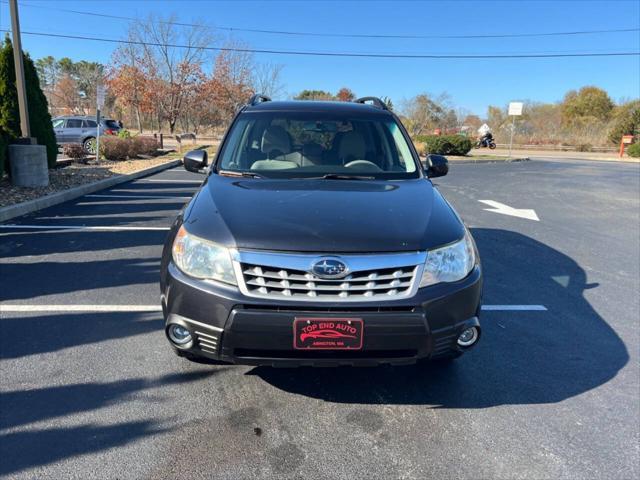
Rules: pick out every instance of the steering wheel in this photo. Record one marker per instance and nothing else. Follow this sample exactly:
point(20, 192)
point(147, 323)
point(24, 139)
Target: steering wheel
point(365, 165)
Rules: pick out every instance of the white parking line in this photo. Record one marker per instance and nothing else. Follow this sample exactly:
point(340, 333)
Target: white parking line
point(79, 227)
point(138, 196)
point(157, 308)
point(173, 181)
point(514, 308)
point(80, 308)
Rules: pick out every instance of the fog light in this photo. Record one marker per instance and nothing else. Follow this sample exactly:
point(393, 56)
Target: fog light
point(468, 337)
point(178, 334)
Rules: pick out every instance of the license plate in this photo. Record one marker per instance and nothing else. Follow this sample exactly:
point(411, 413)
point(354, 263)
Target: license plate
point(327, 333)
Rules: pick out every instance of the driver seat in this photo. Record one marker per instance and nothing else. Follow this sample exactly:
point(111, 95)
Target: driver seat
point(352, 147)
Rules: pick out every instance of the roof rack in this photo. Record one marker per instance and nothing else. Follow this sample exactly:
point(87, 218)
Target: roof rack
point(375, 100)
point(258, 98)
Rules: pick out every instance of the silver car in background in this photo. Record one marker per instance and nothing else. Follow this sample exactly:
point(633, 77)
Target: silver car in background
point(83, 130)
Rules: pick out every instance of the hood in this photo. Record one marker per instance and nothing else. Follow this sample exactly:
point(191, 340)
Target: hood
point(323, 216)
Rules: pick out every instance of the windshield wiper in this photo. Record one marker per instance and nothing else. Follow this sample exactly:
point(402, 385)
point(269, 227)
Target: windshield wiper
point(340, 176)
point(231, 173)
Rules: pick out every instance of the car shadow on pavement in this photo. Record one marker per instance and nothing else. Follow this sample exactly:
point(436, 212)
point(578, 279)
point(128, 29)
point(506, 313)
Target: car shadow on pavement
point(34, 334)
point(523, 357)
point(32, 447)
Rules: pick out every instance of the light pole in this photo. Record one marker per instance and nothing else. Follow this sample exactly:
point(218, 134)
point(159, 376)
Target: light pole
point(19, 66)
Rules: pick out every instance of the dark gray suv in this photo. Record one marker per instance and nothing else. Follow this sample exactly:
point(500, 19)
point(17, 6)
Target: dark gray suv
point(83, 130)
point(317, 238)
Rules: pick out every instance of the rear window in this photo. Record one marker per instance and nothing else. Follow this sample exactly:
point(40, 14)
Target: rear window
point(311, 144)
point(89, 124)
point(111, 124)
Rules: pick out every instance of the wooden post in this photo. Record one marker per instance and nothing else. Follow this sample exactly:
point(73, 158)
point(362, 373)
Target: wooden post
point(19, 66)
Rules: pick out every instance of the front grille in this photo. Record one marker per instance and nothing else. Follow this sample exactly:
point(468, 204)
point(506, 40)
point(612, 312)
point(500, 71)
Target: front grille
point(368, 284)
point(371, 278)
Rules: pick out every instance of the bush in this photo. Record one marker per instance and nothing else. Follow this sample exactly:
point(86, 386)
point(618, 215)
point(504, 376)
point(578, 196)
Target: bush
point(74, 151)
point(445, 144)
point(584, 147)
point(634, 150)
point(145, 145)
point(39, 117)
point(124, 134)
point(114, 148)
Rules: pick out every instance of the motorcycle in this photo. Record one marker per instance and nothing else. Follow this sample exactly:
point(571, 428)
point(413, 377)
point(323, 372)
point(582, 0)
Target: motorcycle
point(486, 142)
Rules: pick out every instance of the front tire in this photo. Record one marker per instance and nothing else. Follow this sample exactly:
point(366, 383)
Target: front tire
point(492, 146)
point(90, 145)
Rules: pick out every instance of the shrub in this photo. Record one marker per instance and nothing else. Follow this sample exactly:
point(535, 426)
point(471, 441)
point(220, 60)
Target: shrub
point(445, 144)
point(74, 151)
point(145, 145)
point(39, 117)
point(634, 150)
point(124, 134)
point(114, 148)
point(584, 147)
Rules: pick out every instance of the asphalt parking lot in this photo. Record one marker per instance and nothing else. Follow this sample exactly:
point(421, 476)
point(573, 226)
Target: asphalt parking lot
point(91, 389)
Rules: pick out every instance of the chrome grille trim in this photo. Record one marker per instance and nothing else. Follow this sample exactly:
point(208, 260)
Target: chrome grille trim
point(371, 278)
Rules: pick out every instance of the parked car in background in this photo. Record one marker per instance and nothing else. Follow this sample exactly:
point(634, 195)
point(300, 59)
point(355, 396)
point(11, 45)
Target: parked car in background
point(81, 129)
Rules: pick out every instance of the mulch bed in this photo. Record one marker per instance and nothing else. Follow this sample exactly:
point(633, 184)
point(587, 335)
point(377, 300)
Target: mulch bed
point(72, 175)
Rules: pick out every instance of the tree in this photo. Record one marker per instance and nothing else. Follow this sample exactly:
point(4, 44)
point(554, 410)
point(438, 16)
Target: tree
point(626, 121)
point(472, 121)
point(496, 117)
point(267, 79)
point(128, 83)
point(232, 82)
point(172, 71)
point(314, 95)
point(39, 118)
point(425, 113)
point(586, 105)
point(345, 95)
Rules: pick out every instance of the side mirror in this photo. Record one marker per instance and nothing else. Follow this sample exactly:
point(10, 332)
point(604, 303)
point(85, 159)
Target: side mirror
point(195, 161)
point(437, 166)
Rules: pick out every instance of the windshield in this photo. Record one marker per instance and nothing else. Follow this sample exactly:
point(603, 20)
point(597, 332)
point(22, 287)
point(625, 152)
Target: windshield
point(311, 144)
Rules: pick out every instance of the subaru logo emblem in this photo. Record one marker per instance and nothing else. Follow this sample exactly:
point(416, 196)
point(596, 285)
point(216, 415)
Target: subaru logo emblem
point(329, 268)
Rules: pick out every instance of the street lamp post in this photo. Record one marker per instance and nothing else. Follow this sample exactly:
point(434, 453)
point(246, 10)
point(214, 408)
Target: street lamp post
point(19, 66)
point(27, 160)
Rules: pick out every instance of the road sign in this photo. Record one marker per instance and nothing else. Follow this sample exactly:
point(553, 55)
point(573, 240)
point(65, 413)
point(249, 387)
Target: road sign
point(100, 94)
point(515, 108)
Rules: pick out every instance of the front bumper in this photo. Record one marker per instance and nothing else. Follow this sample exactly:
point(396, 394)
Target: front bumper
point(228, 326)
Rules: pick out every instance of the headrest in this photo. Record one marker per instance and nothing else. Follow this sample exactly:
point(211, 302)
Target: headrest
point(275, 138)
point(352, 147)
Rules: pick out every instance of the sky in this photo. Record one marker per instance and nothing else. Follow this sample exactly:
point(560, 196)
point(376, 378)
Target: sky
point(472, 84)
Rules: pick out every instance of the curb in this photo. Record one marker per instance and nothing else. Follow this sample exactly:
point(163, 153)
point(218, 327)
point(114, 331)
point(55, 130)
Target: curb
point(483, 160)
point(12, 211)
point(489, 160)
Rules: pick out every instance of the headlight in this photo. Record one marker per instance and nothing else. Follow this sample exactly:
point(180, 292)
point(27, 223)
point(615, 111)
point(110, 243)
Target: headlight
point(202, 259)
point(450, 263)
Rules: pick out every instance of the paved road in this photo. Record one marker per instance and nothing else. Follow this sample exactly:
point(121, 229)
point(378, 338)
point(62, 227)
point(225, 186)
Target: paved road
point(547, 394)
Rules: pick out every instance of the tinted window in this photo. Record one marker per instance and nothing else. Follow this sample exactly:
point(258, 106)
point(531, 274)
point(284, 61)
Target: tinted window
point(74, 123)
point(311, 144)
point(89, 124)
point(111, 124)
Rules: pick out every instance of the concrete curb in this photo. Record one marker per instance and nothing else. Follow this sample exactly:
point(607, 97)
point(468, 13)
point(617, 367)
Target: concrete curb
point(490, 160)
point(455, 161)
point(12, 211)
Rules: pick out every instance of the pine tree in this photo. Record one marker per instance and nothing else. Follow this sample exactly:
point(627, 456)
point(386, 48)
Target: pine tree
point(39, 117)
